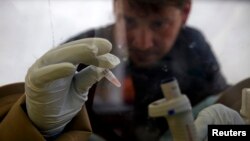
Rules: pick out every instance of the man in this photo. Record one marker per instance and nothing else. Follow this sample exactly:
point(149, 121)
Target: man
point(159, 46)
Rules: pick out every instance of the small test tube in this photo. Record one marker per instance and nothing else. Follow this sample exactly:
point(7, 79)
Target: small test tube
point(111, 77)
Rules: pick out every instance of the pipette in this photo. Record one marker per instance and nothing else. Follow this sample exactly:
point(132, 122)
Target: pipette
point(111, 77)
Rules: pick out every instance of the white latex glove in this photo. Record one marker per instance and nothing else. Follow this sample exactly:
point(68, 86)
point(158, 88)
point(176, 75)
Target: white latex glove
point(215, 114)
point(55, 93)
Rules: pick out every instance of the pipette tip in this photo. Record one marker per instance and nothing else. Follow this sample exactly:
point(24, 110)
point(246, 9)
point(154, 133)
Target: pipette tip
point(111, 77)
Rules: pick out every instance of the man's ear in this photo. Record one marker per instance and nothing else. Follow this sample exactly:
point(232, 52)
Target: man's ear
point(186, 11)
point(115, 6)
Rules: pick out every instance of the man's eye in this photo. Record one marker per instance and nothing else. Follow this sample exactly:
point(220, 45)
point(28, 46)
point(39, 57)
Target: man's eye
point(159, 24)
point(130, 22)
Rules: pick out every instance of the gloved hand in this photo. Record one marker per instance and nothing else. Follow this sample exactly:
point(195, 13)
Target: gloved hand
point(215, 114)
point(55, 93)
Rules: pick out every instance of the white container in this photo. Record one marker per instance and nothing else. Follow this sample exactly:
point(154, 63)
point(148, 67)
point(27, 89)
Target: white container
point(178, 113)
point(171, 89)
point(177, 110)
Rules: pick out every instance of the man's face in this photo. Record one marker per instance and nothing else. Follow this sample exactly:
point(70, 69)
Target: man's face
point(148, 36)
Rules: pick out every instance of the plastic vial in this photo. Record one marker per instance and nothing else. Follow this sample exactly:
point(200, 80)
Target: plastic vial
point(177, 110)
point(111, 77)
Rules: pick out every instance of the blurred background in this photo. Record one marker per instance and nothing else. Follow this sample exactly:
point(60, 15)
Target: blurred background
point(29, 28)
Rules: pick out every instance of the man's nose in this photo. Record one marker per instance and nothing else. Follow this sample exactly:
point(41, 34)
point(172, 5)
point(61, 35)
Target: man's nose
point(143, 39)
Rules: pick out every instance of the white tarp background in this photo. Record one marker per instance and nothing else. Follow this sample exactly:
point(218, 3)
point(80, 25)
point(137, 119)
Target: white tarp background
point(28, 28)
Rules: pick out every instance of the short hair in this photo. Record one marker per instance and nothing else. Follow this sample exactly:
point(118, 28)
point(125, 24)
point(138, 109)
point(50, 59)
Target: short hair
point(155, 5)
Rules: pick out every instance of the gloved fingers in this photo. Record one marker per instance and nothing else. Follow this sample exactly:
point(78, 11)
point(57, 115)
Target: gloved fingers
point(87, 77)
point(104, 44)
point(108, 61)
point(84, 52)
point(90, 75)
point(42, 76)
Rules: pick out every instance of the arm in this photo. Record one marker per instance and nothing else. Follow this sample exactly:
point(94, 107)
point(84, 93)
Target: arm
point(215, 79)
point(204, 69)
point(208, 64)
point(55, 92)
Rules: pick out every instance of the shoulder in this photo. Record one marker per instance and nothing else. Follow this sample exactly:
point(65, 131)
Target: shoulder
point(102, 32)
point(192, 32)
point(192, 35)
point(194, 40)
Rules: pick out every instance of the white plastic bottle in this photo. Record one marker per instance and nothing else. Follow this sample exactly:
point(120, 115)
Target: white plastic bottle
point(177, 110)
